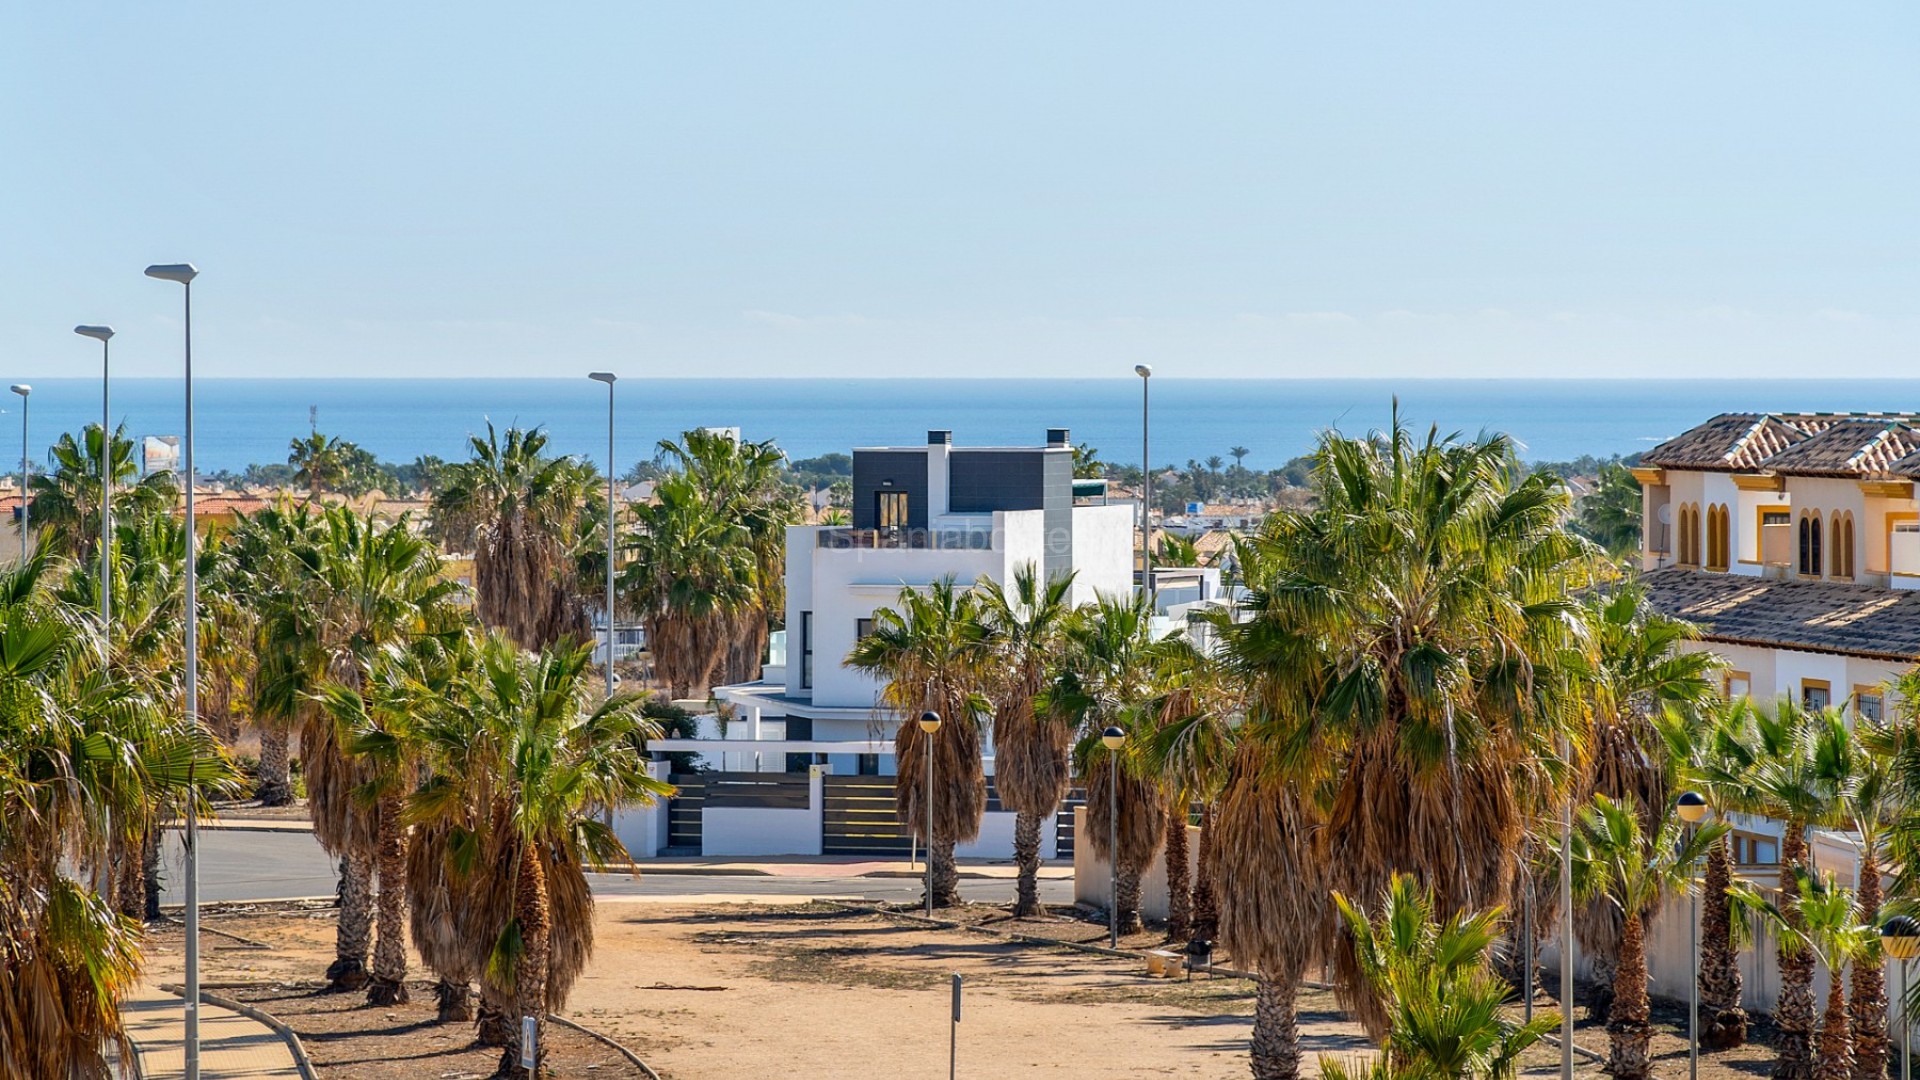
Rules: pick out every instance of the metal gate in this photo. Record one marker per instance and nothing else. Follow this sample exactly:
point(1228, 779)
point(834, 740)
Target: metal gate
point(683, 813)
point(859, 818)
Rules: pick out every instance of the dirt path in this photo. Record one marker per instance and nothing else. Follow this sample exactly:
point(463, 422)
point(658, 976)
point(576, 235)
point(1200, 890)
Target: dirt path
point(705, 994)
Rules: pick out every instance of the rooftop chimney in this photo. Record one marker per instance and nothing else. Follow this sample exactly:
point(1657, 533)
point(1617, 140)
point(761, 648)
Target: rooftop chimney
point(939, 438)
point(1058, 436)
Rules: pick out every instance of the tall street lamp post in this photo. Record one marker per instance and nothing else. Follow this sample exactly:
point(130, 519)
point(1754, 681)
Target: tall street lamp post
point(1113, 739)
point(104, 335)
point(24, 391)
point(1900, 937)
point(183, 274)
point(1146, 486)
point(609, 378)
point(1566, 921)
point(1693, 810)
point(930, 726)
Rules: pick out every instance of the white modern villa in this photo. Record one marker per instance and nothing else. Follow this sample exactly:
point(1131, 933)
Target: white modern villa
point(804, 764)
point(920, 514)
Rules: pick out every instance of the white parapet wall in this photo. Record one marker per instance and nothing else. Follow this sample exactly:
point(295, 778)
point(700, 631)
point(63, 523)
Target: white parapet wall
point(742, 830)
point(1090, 871)
point(643, 829)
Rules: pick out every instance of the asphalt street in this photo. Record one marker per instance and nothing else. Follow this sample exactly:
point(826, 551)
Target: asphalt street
point(238, 865)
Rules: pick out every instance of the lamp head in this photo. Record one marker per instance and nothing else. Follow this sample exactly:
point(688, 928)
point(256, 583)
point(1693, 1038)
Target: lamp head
point(1692, 807)
point(1113, 738)
point(21, 388)
point(1900, 936)
point(1145, 371)
point(607, 377)
point(97, 333)
point(929, 722)
point(180, 272)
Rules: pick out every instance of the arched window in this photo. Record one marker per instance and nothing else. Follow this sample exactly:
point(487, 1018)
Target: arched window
point(1718, 520)
point(1810, 542)
point(1842, 546)
point(1690, 534)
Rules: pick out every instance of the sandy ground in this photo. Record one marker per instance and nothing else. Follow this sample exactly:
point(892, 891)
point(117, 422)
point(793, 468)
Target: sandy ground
point(729, 986)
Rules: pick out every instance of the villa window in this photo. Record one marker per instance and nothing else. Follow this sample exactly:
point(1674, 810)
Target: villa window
point(891, 511)
point(1690, 534)
point(1738, 684)
point(1869, 703)
point(1842, 553)
point(806, 650)
point(862, 628)
point(1719, 544)
point(1810, 543)
point(1816, 693)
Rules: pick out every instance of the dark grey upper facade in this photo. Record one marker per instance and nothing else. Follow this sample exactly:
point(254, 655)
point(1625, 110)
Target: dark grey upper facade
point(977, 480)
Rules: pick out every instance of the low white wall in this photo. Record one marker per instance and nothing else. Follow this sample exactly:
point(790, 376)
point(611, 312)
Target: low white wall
point(996, 838)
point(643, 829)
point(1090, 871)
point(753, 830)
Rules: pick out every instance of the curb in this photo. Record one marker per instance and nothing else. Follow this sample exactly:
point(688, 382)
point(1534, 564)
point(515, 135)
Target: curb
point(606, 1040)
point(751, 871)
point(300, 1059)
point(245, 826)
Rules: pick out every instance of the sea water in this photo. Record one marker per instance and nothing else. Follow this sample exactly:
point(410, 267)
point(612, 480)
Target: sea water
point(243, 421)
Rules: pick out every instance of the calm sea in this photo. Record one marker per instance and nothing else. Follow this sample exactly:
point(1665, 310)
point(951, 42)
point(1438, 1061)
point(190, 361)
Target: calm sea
point(241, 421)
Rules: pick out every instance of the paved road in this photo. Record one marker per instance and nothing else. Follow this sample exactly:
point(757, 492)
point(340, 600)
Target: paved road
point(237, 865)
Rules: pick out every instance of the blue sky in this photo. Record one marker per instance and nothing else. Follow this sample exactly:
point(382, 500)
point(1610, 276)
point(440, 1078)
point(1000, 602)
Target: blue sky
point(810, 189)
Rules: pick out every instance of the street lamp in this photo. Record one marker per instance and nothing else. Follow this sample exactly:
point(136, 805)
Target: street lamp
point(1113, 739)
point(1145, 372)
point(104, 335)
point(1900, 937)
point(1692, 808)
point(183, 274)
point(608, 377)
point(23, 390)
point(930, 725)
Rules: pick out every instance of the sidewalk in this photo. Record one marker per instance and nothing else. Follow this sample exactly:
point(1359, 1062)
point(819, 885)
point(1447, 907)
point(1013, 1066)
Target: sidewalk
point(838, 866)
point(232, 1047)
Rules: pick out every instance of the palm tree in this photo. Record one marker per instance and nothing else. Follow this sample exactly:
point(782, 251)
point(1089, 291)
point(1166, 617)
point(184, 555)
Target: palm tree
point(1616, 862)
point(362, 586)
point(1031, 745)
point(1876, 797)
point(692, 582)
point(1714, 752)
point(261, 605)
point(66, 497)
point(1609, 515)
point(1106, 679)
point(524, 511)
point(319, 463)
point(1408, 653)
point(1821, 923)
point(931, 649)
point(1637, 672)
point(1239, 454)
point(1446, 1016)
point(1191, 748)
point(521, 765)
point(87, 757)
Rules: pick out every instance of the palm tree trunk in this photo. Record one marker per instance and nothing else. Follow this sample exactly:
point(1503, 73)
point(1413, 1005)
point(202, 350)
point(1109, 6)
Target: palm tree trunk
point(1867, 1010)
point(273, 784)
point(389, 983)
point(1026, 856)
point(1629, 1035)
point(1725, 1019)
point(496, 1026)
point(351, 937)
point(946, 875)
point(1127, 898)
point(1206, 906)
point(1793, 1015)
point(1179, 895)
point(150, 872)
point(455, 1002)
point(129, 878)
point(1276, 1031)
point(535, 916)
point(1836, 1042)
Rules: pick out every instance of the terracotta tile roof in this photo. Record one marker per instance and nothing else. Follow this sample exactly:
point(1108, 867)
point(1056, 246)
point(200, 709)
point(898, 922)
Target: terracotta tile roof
point(1805, 444)
point(1849, 448)
point(1811, 616)
point(1730, 442)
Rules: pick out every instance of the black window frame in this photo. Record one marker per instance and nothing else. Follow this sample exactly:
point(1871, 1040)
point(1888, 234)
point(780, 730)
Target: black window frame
point(892, 499)
point(806, 650)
